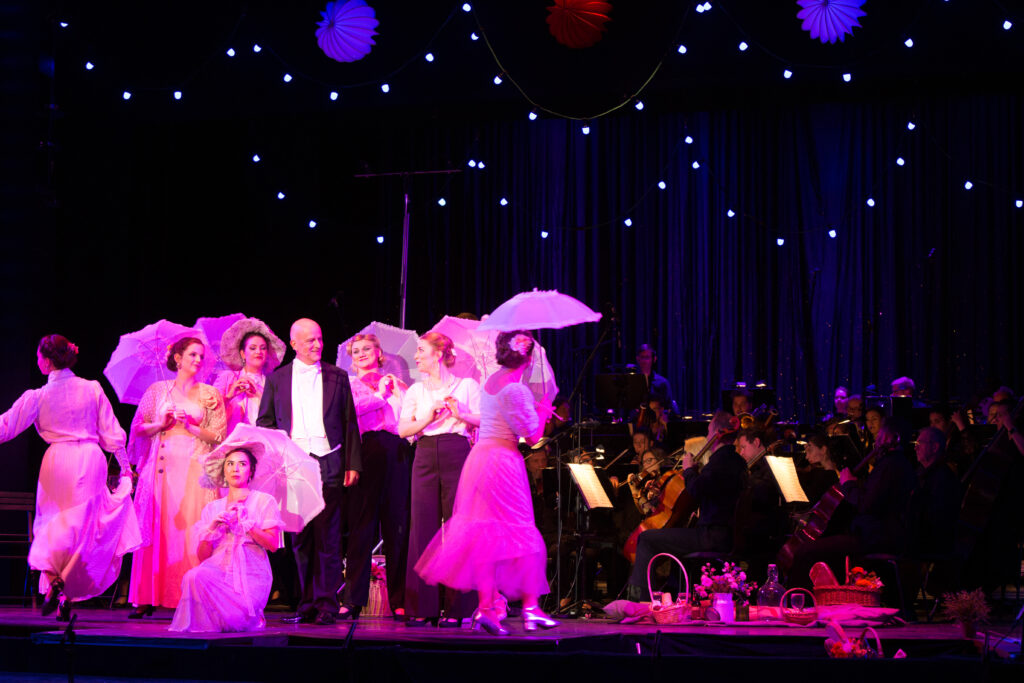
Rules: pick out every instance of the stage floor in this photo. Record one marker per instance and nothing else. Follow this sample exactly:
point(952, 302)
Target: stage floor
point(106, 642)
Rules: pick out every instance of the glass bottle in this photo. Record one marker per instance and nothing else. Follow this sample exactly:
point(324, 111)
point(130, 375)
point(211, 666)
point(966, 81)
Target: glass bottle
point(769, 596)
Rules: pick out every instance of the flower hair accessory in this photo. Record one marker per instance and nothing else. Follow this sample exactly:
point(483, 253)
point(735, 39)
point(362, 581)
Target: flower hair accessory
point(520, 344)
point(73, 347)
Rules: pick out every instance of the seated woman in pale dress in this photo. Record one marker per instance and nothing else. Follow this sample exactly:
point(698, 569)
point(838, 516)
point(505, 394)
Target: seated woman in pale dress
point(229, 589)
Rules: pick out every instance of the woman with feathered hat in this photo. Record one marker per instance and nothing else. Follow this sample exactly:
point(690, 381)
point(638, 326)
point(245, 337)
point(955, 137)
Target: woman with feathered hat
point(251, 351)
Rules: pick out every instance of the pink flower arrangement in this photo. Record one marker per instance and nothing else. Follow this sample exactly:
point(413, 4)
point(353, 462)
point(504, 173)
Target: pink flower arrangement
point(520, 344)
point(729, 579)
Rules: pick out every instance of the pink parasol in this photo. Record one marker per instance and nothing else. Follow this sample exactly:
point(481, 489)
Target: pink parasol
point(398, 344)
point(538, 311)
point(140, 358)
point(283, 470)
point(214, 329)
point(475, 356)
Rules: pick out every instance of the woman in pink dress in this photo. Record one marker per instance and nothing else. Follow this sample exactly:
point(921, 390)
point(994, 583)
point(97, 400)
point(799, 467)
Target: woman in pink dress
point(228, 591)
point(81, 529)
point(491, 543)
point(177, 423)
point(251, 351)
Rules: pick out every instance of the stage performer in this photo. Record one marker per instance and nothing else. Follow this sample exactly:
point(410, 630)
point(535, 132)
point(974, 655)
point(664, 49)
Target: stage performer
point(251, 352)
point(312, 401)
point(81, 529)
point(715, 489)
point(491, 543)
point(228, 591)
point(177, 422)
point(440, 411)
point(379, 506)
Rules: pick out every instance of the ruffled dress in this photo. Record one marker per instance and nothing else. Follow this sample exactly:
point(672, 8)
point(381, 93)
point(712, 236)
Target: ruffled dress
point(242, 407)
point(228, 591)
point(81, 529)
point(492, 533)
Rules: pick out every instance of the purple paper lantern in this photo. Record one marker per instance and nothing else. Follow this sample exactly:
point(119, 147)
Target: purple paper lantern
point(829, 20)
point(346, 32)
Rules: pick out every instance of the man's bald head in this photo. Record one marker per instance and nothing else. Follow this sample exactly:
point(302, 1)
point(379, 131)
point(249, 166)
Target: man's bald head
point(307, 340)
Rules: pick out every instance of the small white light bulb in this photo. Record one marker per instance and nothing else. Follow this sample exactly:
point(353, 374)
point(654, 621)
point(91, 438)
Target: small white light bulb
point(871, 201)
point(231, 52)
point(334, 96)
point(503, 201)
point(126, 95)
point(380, 239)
point(662, 185)
point(730, 213)
point(177, 94)
point(847, 77)
point(832, 233)
point(780, 241)
point(287, 78)
point(280, 195)
point(900, 161)
point(441, 201)
point(743, 46)
point(909, 42)
point(681, 49)
point(429, 57)
point(628, 222)
point(385, 88)
point(543, 234)
point(787, 74)
point(312, 224)
point(695, 165)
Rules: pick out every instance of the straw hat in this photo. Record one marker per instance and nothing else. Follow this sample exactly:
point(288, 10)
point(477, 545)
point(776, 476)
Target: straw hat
point(231, 342)
point(213, 463)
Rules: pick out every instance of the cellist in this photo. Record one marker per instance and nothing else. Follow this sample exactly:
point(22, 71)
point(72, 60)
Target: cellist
point(714, 490)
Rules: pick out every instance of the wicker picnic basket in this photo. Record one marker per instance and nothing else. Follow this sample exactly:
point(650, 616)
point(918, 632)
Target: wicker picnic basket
point(676, 612)
point(848, 595)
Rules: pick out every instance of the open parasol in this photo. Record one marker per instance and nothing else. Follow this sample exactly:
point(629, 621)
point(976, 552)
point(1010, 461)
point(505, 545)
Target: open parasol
point(140, 358)
point(214, 328)
point(539, 310)
point(398, 345)
point(283, 470)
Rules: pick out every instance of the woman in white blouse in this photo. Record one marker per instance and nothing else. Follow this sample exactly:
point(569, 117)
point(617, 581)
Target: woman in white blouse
point(81, 529)
point(440, 412)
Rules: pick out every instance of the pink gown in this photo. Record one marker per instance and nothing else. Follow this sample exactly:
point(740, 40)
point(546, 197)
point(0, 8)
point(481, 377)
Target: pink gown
point(81, 529)
point(228, 590)
point(492, 531)
point(168, 497)
point(241, 407)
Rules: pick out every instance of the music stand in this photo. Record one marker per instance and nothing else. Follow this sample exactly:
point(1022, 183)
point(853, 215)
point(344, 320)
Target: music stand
point(619, 393)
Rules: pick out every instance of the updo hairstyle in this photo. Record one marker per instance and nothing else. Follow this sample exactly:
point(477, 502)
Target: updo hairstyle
point(59, 351)
point(372, 338)
point(510, 354)
point(443, 345)
point(178, 349)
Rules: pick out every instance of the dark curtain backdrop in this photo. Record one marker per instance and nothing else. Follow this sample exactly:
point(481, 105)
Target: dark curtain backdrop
point(166, 217)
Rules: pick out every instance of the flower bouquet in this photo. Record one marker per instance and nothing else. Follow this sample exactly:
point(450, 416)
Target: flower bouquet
point(838, 645)
point(727, 588)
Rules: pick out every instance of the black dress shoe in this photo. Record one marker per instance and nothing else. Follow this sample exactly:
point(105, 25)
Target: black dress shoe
point(324, 619)
point(350, 612)
point(64, 610)
point(307, 617)
point(414, 622)
point(141, 611)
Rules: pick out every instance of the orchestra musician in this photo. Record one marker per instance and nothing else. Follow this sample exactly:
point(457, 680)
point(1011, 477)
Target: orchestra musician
point(761, 520)
point(714, 490)
point(657, 386)
point(741, 402)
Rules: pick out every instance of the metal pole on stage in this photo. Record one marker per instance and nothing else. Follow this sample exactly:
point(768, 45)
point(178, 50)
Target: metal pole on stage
point(405, 175)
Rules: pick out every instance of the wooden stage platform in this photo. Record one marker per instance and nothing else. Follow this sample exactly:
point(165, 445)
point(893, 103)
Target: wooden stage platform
point(106, 643)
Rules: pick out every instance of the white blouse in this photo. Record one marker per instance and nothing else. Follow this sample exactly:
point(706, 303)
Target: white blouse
point(419, 401)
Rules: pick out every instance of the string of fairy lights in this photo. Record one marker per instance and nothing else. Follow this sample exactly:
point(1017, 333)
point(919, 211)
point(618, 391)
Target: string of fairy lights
point(684, 150)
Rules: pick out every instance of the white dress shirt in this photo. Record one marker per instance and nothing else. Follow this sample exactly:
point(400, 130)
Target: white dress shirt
point(308, 409)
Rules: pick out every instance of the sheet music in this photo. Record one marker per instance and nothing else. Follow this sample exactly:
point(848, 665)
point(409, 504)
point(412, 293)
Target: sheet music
point(785, 475)
point(590, 486)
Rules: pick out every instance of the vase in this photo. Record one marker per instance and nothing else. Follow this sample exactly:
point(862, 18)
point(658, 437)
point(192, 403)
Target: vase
point(725, 606)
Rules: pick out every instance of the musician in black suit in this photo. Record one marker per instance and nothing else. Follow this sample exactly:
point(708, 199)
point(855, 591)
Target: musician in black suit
point(312, 401)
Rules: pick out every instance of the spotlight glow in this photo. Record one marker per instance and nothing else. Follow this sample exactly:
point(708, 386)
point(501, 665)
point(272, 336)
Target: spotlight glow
point(312, 224)
point(126, 95)
point(63, 24)
point(532, 116)
point(380, 239)
point(466, 7)
point(441, 201)
point(639, 105)
point(900, 161)
point(255, 158)
point(585, 129)
point(847, 77)
point(911, 125)
point(471, 163)
point(1019, 203)
point(662, 185)
point(429, 56)
point(628, 222)
point(177, 94)
point(909, 42)
point(480, 165)
point(89, 66)
point(968, 185)
point(787, 74)
point(832, 233)
point(231, 52)
point(497, 80)
point(334, 96)
point(780, 241)
point(543, 234)
point(287, 78)
point(385, 88)
point(871, 201)
point(695, 165)
point(256, 48)
point(730, 213)
point(681, 49)
point(474, 36)
point(1007, 25)
point(743, 46)
point(503, 201)
point(280, 195)
point(688, 140)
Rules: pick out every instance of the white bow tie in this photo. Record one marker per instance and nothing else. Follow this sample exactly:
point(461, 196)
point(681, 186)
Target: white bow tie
point(303, 369)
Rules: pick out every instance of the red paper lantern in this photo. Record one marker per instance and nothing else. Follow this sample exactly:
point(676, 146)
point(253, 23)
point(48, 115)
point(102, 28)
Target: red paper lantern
point(578, 23)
